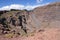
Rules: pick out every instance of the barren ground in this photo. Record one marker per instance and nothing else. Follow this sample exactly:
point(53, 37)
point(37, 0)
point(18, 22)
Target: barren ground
point(47, 34)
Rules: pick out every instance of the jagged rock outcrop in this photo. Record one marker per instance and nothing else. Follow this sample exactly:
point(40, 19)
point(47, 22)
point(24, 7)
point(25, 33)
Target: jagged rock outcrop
point(13, 22)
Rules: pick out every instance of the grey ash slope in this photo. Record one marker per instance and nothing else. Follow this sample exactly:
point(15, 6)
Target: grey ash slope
point(48, 14)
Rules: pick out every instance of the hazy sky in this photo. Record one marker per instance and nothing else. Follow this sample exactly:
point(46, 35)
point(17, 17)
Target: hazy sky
point(21, 4)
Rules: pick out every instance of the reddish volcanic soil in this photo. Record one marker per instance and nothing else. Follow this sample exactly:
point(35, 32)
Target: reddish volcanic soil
point(46, 34)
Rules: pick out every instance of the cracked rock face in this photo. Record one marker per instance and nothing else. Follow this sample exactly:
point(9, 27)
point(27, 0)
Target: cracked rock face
point(13, 23)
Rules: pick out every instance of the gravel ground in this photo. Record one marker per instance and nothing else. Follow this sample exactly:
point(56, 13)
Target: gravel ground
point(47, 34)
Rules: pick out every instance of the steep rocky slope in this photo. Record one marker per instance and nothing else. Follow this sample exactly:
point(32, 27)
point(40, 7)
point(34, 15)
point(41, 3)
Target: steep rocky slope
point(48, 16)
point(14, 22)
point(22, 22)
